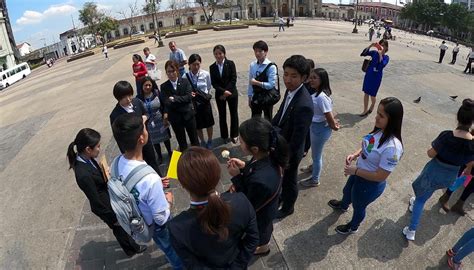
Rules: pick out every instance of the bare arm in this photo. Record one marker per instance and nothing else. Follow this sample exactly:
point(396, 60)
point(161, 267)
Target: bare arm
point(431, 153)
point(331, 121)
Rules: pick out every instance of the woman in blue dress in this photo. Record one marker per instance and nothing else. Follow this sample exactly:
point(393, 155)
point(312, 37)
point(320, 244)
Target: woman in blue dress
point(374, 73)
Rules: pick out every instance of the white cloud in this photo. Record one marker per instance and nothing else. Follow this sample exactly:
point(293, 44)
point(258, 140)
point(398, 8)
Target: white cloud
point(35, 17)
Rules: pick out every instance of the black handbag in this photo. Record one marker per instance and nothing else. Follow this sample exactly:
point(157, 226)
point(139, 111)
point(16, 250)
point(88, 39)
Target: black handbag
point(265, 97)
point(201, 98)
point(365, 64)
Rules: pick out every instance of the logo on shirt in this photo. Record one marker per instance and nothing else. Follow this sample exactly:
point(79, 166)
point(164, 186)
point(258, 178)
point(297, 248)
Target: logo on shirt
point(367, 145)
point(393, 160)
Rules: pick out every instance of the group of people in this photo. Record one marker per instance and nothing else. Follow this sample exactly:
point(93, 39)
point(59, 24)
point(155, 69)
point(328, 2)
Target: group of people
point(226, 230)
point(470, 56)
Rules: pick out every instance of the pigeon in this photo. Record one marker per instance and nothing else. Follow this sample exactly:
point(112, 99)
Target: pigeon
point(453, 97)
point(275, 35)
point(417, 100)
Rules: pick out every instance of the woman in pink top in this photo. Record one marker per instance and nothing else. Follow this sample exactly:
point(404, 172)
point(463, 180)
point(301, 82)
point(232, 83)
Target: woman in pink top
point(139, 72)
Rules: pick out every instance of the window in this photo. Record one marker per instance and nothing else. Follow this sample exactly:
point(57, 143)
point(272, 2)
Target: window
point(301, 2)
point(142, 28)
point(203, 19)
point(18, 70)
point(125, 31)
point(178, 21)
point(117, 33)
point(4, 76)
point(160, 24)
point(236, 15)
point(23, 67)
point(151, 26)
point(109, 35)
point(227, 16)
point(134, 29)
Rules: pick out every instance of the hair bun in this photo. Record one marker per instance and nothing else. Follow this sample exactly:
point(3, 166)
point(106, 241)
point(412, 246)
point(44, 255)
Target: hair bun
point(468, 103)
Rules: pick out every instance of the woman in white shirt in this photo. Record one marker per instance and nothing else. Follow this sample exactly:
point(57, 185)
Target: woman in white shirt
point(200, 81)
point(381, 150)
point(323, 122)
point(470, 58)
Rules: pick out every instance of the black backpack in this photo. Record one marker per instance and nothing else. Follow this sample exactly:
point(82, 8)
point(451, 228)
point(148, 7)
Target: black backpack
point(266, 97)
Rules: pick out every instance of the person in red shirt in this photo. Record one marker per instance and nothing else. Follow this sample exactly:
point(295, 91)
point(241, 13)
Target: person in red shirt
point(139, 72)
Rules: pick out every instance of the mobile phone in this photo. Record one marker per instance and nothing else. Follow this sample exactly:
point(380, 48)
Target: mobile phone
point(378, 46)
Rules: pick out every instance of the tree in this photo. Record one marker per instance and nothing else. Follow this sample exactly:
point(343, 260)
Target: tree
point(208, 8)
point(106, 25)
point(90, 16)
point(179, 8)
point(128, 14)
point(456, 18)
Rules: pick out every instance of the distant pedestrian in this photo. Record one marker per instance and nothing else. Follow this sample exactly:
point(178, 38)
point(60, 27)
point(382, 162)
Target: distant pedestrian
point(288, 22)
point(461, 249)
point(105, 52)
point(380, 154)
point(178, 56)
point(139, 72)
point(470, 58)
point(156, 37)
point(371, 33)
point(442, 51)
point(379, 34)
point(374, 74)
point(455, 54)
point(92, 182)
point(281, 24)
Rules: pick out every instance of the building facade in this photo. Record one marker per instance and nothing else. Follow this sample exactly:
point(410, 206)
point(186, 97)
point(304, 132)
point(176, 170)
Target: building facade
point(341, 12)
point(469, 4)
point(381, 10)
point(7, 56)
point(72, 42)
point(24, 48)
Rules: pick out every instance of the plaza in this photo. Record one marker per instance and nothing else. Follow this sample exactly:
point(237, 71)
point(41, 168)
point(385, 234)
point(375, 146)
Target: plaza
point(47, 223)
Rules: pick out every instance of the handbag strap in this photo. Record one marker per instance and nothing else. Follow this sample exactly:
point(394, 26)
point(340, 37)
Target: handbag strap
point(272, 197)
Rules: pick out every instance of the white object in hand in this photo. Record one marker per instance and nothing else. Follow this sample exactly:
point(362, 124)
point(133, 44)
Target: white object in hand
point(225, 154)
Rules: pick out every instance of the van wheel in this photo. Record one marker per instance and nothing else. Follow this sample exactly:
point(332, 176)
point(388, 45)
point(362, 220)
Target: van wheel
point(24, 76)
point(6, 85)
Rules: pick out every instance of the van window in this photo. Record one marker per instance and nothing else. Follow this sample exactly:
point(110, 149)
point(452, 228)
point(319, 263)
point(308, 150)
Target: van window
point(23, 67)
point(18, 70)
point(4, 76)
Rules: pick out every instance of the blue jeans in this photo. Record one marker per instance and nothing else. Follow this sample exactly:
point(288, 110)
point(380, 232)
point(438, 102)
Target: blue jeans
point(464, 246)
point(320, 133)
point(161, 236)
point(418, 209)
point(360, 193)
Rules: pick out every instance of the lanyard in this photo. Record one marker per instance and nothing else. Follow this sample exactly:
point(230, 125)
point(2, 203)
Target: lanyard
point(148, 102)
point(195, 78)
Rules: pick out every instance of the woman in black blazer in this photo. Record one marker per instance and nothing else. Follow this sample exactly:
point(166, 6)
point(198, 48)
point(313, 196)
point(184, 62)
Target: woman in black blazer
point(260, 178)
point(91, 181)
point(224, 79)
point(217, 231)
point(178, 107)
point(126, 103)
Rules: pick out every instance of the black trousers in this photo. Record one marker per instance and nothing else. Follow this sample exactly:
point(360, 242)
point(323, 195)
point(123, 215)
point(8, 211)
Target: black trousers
point(183, 127)
point(289, 192)
point(125, 241)
point(234, 117)
point(441, 55)
point(468, 68)
point(258, 109)
point(455, 55)
point(150, 157)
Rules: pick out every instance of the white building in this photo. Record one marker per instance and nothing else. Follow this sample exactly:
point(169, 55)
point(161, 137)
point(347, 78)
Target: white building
point(467, 3)
point(7, 57)
point(24, 48)
point(73, 42)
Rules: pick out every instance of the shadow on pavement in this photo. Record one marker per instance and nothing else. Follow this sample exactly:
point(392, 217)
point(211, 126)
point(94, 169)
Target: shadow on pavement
point(313, 244)
point(348, 120)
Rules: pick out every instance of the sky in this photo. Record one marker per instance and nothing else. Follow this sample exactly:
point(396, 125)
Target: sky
point(40, 22)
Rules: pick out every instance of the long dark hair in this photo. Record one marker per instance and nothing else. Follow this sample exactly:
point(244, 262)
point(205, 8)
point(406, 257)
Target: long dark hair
point(154, 88)
point(394, 110)
point(138, 57)
point(465, 115)
point(86, 137)
point(199, 173)
point(324, 79)
point(259, 132)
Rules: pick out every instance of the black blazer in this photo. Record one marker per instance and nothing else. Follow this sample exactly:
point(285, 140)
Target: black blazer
point(181, 108)
point(199, 250)
point(259, 181)
point(227, 81)
point(295, 123)
point(91, 182)
point(138, 109)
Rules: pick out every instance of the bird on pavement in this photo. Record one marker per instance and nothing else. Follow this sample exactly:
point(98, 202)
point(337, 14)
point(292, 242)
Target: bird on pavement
point(275, 35)
point(417, 100)
point(453, 97)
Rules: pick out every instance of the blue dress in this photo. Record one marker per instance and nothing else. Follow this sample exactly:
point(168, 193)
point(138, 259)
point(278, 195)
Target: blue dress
point(373, 76)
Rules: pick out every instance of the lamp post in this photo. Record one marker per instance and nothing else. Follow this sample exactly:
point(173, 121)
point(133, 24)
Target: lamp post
point(160, 42)
point(354, 31)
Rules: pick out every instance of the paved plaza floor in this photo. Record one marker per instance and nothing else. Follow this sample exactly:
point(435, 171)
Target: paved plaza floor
point(46, 221)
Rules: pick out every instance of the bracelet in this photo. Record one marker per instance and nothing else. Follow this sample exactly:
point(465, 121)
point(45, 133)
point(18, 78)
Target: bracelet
point(355, 173)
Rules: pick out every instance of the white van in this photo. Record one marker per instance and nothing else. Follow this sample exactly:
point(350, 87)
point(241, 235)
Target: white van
point(14, 74)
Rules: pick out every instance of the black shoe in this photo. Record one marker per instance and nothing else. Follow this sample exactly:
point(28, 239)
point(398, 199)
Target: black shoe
point(337, 205)
point(345, 229)
point(281, 214)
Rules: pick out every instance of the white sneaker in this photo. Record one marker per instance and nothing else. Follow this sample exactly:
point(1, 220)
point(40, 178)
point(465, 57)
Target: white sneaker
point(409, 234)
point(411, 203)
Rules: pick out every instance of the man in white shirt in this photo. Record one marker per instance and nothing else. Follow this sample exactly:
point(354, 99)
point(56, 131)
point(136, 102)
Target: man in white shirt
point(281, 24)
point(455, 54)
point(150, 59)
point(130, 132)
point(442, 51)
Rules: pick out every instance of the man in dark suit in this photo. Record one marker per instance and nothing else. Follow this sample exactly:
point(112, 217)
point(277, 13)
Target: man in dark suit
point(293, 119)
point(178, 107)
point(224, 79)
point(123, 92)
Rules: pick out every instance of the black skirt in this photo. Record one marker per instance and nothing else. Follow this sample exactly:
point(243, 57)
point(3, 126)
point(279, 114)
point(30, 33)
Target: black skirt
point(204, 117)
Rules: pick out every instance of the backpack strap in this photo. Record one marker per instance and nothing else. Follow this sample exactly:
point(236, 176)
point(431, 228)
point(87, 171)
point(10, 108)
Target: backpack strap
point(136, 175)
point(114, 168)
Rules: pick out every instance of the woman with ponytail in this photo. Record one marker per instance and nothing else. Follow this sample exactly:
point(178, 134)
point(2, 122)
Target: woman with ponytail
point(217, 231)
point(91, 181)
point(260, 178)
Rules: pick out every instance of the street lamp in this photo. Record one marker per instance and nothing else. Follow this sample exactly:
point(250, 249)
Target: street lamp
point(160, 42)
point(355, 19)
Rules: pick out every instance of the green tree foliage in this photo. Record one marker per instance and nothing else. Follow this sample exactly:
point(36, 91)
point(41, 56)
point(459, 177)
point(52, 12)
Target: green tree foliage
point(90, 16)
